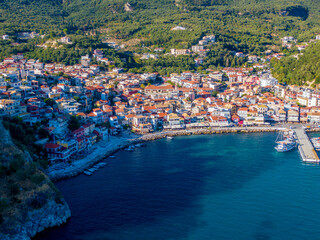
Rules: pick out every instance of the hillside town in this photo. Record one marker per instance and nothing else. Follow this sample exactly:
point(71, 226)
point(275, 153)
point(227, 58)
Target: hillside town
point(80, 105)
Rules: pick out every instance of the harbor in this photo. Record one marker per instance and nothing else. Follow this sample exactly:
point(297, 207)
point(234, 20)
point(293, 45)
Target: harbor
point(235, 184)
point(306, 149)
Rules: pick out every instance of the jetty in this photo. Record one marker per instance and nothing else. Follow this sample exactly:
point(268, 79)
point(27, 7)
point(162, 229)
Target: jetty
point(306, 149)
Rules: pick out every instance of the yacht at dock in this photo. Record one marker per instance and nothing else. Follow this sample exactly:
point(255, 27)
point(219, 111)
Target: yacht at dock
point(286, 142)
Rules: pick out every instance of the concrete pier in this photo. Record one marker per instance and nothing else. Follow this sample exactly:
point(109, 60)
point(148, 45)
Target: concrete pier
point(306, 149)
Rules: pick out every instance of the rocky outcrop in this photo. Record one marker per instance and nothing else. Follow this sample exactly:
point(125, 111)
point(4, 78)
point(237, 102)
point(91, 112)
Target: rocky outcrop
point(9, 148)
point(29, 201)
point(128, 7)
point(50, 215)
point(5, 135)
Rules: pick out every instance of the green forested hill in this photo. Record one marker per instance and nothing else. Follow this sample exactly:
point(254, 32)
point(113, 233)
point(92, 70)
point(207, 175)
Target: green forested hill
point(150, 18)
point(249, 26)
point(301, 70)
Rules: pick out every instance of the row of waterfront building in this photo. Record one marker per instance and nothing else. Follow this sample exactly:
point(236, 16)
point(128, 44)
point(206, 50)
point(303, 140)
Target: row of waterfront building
point(111, 102)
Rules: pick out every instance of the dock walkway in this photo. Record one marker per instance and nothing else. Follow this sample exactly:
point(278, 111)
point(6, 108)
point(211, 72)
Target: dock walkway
point(306, 149)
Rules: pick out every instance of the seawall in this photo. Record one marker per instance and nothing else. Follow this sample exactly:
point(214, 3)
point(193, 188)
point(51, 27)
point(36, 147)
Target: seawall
point(204, 131)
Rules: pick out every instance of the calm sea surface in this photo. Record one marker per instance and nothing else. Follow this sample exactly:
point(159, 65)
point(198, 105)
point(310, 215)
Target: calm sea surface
point(232, 186)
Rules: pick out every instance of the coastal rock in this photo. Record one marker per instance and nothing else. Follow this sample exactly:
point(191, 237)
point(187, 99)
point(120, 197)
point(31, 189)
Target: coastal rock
point(35, 203)
point(50, 215)
point(8, 147)
point(5, 135)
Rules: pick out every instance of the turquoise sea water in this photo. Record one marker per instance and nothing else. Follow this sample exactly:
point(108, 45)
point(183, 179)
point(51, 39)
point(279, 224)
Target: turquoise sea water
point(233, 186)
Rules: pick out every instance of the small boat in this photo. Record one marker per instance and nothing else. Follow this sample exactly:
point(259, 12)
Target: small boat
point(169, 137)
point(87, 173)
point(101, 164)
point(316, 143)
point(130, 149)
point(93, 169)
point(285, 146)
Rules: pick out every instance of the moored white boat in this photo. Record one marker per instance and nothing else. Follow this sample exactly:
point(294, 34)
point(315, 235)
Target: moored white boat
point(285, 143)
point(101, 164)
point(285, 146)
point(316, 143)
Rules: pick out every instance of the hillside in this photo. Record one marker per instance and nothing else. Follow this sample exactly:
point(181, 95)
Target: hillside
point(248, 21)
point(248, 26)
point(29, 202)
point(303, 69)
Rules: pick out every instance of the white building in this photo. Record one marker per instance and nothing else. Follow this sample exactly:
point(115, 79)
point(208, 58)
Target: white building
point(267, 80)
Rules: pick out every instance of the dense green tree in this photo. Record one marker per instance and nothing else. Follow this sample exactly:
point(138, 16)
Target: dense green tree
point(250, 26)
point(302, 69)
point(74, 123)
point(49, 102)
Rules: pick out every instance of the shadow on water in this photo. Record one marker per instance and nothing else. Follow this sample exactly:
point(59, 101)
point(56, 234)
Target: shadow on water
point(264, 229)
point(153, 192)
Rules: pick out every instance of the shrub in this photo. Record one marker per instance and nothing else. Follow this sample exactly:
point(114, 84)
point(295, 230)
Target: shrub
point(21, 175)
point(38, 201)
point(37, 179)
point(3, 171)
point(13, 189)
point(44, 163)
point(16, 164)
point(1, 219)
point(3, 204)
point(31, 169)
point(16, 200)
point(58, 198)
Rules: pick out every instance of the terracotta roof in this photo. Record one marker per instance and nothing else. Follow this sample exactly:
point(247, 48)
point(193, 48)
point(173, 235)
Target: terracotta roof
point(162, 87)
point(51, 145)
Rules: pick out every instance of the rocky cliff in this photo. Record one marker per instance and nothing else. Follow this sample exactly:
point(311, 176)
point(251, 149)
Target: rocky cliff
point(29, 201)
point(50, 215)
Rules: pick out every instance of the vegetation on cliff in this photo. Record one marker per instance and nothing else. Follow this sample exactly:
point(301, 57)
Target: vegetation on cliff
point(24, 137)
point(23, 188)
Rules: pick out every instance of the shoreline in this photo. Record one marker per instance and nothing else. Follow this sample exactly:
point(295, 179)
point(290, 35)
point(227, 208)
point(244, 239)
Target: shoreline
point(102, 150)
point(106, 148)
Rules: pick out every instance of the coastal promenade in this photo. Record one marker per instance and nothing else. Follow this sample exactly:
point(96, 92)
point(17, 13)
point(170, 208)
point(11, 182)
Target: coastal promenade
point(306, 149)
point(102, 150)
point(105, 148)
